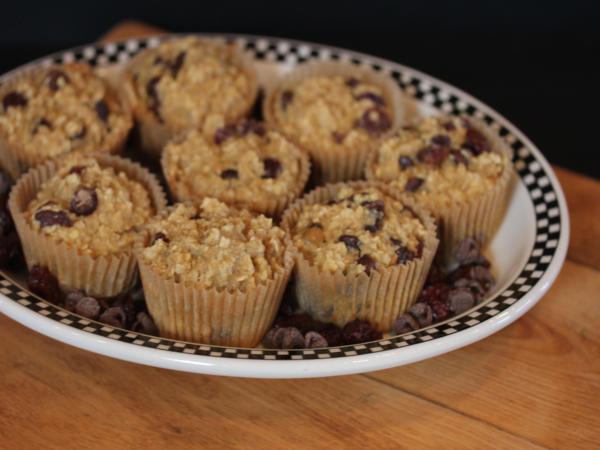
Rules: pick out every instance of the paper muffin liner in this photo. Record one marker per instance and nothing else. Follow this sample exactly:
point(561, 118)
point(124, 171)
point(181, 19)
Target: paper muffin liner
point(379, 297)
point(478, 218)
point(272, 206)
point(99, 276)
point(189, 311)
point(337, 164)
point(13, 157)
point(153, 135)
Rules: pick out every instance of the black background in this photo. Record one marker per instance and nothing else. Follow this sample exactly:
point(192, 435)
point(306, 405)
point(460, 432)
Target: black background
point(534, 62)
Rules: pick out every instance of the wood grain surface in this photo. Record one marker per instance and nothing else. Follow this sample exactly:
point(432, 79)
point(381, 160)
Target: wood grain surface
point(536, 384)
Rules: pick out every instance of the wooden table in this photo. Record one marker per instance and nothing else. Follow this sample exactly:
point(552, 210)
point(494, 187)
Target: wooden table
point(534, 384)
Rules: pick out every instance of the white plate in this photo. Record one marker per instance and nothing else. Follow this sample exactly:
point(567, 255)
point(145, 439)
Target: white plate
point(528, 250)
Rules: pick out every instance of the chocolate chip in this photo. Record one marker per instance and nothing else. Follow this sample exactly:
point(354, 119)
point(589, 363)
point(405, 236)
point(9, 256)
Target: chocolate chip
point(422, 313)
point(377, 210)
point(460, 300)
point(440, 140)
point(101, 108)
point(312, 339)
point(433, 155)
point(72, 298)
point(338, 137)
point(482, 275)
point(405, 323)
point(374, 120)
point(315, 225)
point(229, 174)
point(352, 82)
point(468, 252)
point(272, 168)
point(476, 142)
point(473, 286)
point(405, 162)
point(368, 262)
point(359, 331)
point(404, 255)
point(48, 218)
point(43, 283)
point(56, 78)
point(352, 242)
point(43, 122)
point(145, 324)
point(80, 134)
point(88, 307)
point(158, 60)
point(377, 99)
point(160, 236)
point(14, 99)
point(251, 126)
point(77, 169)
point(413, 184)
point(114, 316)
point(291, 338)
point(84, 201)
point(177, 64)
point(286, 98)
point(458, 157)
point(224, 133)
point(449, 126)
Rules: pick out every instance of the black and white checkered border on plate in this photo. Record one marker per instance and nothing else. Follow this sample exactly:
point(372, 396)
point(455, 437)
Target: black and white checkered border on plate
point(442, 98)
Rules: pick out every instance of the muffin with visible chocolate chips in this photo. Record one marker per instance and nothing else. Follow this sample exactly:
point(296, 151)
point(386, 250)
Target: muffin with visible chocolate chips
point(79, 216)
point(457, 168)
point(188, 83)
point(335, 111)
point(47, 112)
point(362, 252)
point(213, 274)
point(246, 164)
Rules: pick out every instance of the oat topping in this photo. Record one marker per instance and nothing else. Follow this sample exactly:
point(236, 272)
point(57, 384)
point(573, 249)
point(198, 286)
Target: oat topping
point(326, 112)
point(443, 161)
point(361, 230)
point(60, 109)
point(188, 83)
point(215, 245)
point(89, 206)
point(245, 164)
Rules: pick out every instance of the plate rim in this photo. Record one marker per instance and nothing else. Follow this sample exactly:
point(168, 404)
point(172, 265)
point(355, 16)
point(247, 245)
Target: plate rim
point(292, 367)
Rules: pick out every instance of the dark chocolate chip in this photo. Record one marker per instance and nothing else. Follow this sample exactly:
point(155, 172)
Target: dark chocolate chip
point(177, 64)
point(404, 255)
point(377, 210)
point(468, 252)
point(145, 324)
point(14, 99)
point(80, 134)
point(101, 108)
point(229, 174)
point(160, 236)
point(440, 140)
point(72, 298)
point(359, 331)
point(405, 323)
point(250, 126)
point(56, 78)
point(368, 262)
point(377, 99)
point(43, 283)
point(433, 155)
point(375, 121)
point(286, 98)
point(84, 201)
point(312, 339)
point(114, 316)
point(272, 168)
point(405, 162)
point(460, 300)
point(352, 242)
point(352, 82)
point(291, 338)
point(458, 157)
point(224, 133)
point(476, 142)
point(77, 169)
point(422, 313)
point(413, 184)
point(48, 218)
point(482, 275)
point(88, 307)
point(43, 122)
point(315, 225)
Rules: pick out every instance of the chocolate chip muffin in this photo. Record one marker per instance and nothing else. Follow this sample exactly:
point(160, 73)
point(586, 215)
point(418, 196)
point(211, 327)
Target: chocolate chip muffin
point(457, 168)
point(362, 252)
point(188, 83)
point(337, 112)
point(246, 164)
point(233, 299)
point(79, 216)
point(47, 112)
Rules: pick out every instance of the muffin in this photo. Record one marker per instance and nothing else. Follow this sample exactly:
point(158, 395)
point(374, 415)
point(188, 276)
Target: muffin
point(79, 216)
point(47, 112)
point(213, 274)
point(457, 168)
point(188, 83)
point(336, 112)
point(362, 252)
point(245, 165)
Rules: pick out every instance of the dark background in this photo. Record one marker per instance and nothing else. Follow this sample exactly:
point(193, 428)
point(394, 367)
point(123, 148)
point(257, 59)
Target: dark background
point(534, 62)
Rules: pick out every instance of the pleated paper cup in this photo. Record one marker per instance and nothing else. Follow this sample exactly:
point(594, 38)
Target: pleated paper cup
point(13, 157)
point(153, 134)
point(272, 206)
point(99, 276)
point(189, 311)
point(480, 217)
point(337, 164)
point(379, 297)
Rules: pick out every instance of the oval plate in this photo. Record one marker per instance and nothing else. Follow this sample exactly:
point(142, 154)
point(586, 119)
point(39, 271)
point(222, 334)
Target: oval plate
point(528, 250)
